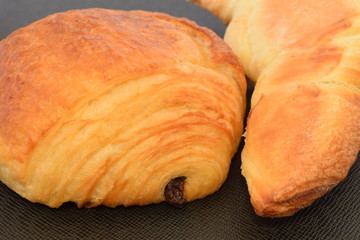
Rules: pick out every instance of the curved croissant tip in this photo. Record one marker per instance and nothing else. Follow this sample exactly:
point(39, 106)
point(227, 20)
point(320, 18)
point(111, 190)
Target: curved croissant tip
point(174, 192)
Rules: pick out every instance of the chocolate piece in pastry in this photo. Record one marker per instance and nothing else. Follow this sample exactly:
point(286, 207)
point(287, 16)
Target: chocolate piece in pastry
point(117, 108)
point(303, 131)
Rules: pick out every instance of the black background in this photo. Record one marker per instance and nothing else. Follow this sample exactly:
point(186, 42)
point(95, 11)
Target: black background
point(225, 215)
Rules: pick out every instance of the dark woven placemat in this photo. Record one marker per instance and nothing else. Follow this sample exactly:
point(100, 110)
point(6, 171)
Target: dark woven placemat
point(225, 215)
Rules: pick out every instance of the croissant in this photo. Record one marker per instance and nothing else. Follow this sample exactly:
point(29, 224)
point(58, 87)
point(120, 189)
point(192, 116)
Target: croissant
point(117, 108)
point(303, 130)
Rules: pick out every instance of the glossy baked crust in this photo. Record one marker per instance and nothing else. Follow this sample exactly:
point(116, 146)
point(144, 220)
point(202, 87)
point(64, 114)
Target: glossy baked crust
point(107, 107)
point(303, 131)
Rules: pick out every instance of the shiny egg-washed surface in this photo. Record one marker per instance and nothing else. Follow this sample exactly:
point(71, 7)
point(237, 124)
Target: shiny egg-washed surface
point(224, 215)
point(101, 106)
point(303, 129)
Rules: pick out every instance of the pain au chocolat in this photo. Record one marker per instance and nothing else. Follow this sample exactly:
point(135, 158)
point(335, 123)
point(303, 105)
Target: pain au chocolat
point(117, 108)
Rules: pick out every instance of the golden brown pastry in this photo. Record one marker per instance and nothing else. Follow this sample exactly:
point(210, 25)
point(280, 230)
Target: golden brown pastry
point(303, 131)
point(117, 108)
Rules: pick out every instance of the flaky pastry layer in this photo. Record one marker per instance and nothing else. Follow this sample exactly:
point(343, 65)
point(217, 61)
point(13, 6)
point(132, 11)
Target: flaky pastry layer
point(107, 107)
point(303, 130)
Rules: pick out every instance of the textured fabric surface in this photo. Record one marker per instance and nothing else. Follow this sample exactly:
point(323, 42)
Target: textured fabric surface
point(225, 215)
